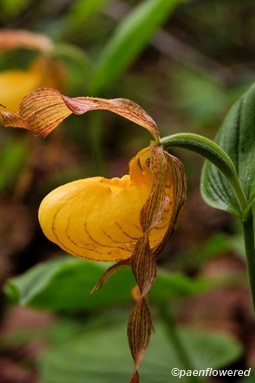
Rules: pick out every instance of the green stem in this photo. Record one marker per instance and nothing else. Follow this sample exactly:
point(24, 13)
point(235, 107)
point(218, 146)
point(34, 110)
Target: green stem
point(248, 228)
point(176, 340)
point(212, 152)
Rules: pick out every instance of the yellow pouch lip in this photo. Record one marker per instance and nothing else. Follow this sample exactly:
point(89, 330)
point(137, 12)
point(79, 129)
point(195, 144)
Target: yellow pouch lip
point(110, 225)
point(100, 219)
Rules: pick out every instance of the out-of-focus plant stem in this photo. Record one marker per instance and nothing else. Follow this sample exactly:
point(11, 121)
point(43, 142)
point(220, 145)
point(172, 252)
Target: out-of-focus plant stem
point(248, 228)
point(177, 341)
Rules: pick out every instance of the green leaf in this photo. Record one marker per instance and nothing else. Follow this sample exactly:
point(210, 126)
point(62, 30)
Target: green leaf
point(200, 97)
point(129, 39)
point(13, 155)
point(249, 379)
point(237, 137)
point(177, 284)
point(83, 10)
point(80, 14)
point(198, 254)
point(65, 284)
point(102, 356)
point(13, 7)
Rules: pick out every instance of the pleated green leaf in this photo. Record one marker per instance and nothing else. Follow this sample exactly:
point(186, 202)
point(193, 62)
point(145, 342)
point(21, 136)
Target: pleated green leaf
point(237, 137)
point(64, 284)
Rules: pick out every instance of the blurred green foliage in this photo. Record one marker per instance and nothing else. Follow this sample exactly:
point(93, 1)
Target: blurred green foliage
point(83, 355)
point(236, 137)
point(186, 78)
point(53, 286)
point(13, 155)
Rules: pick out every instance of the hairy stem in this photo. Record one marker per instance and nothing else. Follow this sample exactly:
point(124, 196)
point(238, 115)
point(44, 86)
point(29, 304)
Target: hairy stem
point(212, 152)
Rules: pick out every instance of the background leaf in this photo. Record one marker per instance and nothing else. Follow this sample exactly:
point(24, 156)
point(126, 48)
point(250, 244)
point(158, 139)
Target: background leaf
point(88, 360)
point(13, 156)
point(249, 379)
point(129, 38)
point(80, 14)
point(237, 137)
point(65, 284)
point(13, 7)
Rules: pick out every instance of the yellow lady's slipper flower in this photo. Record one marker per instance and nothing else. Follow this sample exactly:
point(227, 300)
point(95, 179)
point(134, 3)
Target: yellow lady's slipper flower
point(15, 84)
point(124, 219)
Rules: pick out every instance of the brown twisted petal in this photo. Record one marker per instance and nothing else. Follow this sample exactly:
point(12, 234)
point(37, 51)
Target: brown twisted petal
point(45, 108)
point(139, 333)
point(161, 209)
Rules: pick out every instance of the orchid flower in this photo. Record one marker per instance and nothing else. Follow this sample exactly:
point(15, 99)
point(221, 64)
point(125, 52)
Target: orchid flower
point(43, 70)
point(127, 220)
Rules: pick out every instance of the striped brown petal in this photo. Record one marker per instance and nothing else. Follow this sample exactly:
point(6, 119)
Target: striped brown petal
point(45, 108)
point(160, 212)
point(139, 333)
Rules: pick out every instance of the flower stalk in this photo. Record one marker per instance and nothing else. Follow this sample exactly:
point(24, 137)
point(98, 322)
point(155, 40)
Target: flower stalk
point(214, 153)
